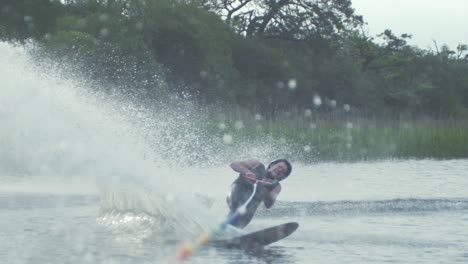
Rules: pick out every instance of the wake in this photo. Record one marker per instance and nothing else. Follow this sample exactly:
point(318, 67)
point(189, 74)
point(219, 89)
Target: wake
point(408, 205)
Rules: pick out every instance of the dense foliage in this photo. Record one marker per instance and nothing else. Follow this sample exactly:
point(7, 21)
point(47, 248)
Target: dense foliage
point(268, 56)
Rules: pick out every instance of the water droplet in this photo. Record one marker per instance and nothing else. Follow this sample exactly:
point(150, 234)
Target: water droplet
point(222, 126)
point(238, 125)
point(258, 117)
point(27, 19)
point(104, 32)
point(103, 17)
point(307, 113)
point(317, 100)
point(346, 107)
point(292, 84)
point(332, 103)
point(47, 36)
point(203, 74)
point(227, 139)
point(307, 148)
point(349, 125)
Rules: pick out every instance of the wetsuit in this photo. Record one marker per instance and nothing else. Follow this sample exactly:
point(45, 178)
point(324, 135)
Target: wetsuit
point(241, 191)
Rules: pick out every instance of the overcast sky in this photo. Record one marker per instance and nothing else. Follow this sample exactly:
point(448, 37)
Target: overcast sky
point(446, 21)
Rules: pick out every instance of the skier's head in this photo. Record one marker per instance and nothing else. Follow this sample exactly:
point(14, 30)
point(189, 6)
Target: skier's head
point(279, 169)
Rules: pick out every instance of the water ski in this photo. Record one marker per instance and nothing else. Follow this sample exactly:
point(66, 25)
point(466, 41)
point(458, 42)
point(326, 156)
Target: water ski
point(259, 238)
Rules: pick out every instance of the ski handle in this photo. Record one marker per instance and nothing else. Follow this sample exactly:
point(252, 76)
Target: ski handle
point(259, 181)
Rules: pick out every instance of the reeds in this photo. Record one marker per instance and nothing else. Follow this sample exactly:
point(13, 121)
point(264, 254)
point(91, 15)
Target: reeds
point(344, 137)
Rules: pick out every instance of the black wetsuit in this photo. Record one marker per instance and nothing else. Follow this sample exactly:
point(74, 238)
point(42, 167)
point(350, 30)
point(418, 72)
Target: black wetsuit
point(241, 191)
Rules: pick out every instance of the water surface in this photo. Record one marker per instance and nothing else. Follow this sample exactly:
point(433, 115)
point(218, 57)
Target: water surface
point(379, 212)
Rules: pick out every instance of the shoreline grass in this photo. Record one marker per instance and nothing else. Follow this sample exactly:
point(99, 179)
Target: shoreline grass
point(322, 137)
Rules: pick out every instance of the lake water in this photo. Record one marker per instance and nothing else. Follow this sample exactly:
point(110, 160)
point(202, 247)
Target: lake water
point(85, 178)
point(379, 212)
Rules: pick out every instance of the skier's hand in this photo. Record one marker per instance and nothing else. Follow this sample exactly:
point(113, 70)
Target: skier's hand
point(250, 174)
point(271, 183)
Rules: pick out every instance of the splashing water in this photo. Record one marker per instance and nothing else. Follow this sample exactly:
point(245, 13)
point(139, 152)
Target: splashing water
point(56, 130)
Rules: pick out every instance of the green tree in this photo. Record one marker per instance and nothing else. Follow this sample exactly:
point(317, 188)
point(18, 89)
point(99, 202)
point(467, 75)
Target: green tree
point(291, 19)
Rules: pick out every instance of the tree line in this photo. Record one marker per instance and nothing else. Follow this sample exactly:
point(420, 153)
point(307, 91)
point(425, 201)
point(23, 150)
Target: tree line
point(269, 56)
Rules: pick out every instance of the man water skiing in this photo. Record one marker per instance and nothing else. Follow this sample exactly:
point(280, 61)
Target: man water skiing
point(267, 189)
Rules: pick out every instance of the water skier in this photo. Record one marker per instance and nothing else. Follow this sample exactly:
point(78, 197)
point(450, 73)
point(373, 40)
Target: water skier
point(266, 191)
